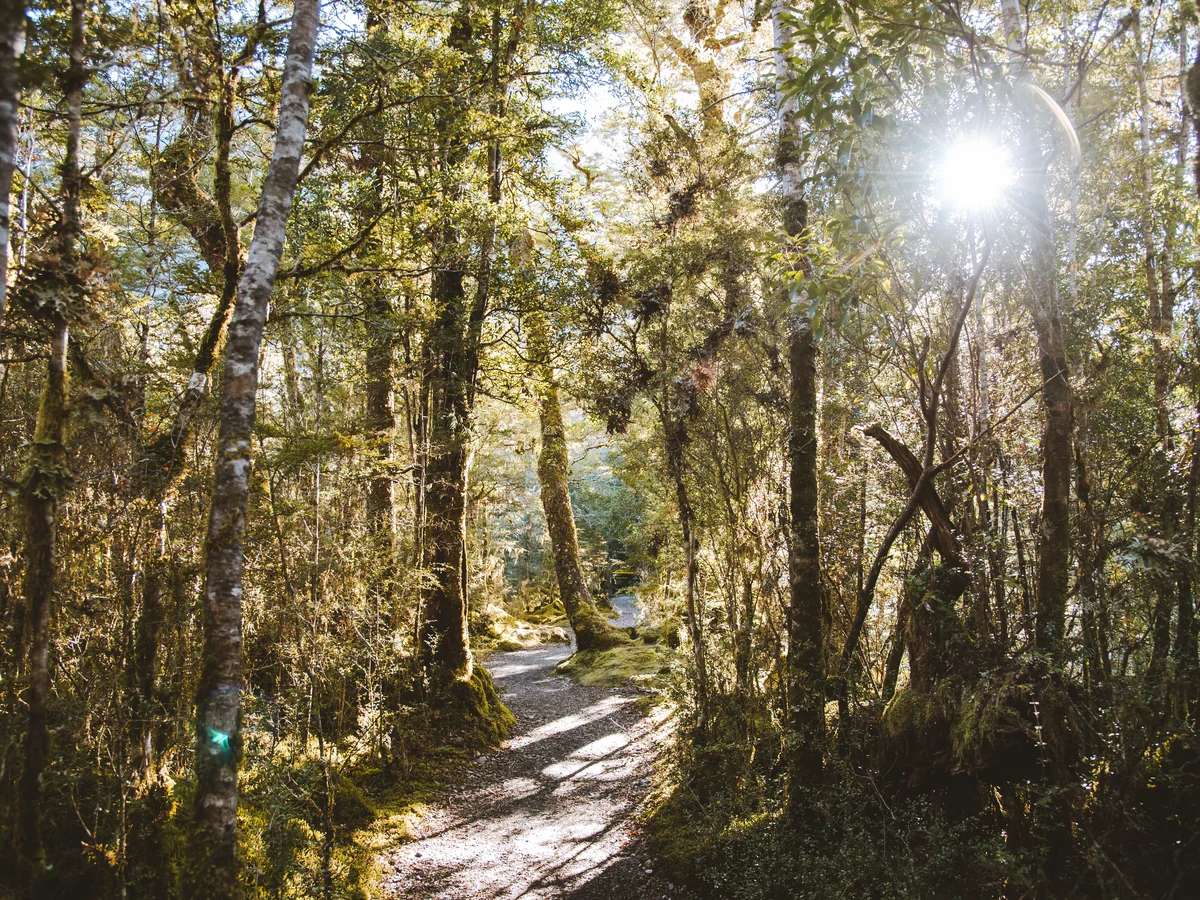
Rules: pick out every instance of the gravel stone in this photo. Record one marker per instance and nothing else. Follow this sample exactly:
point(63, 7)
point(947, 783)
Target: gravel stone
point(550, 814)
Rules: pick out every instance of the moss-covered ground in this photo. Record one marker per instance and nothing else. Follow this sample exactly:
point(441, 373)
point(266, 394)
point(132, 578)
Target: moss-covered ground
point(635, 663)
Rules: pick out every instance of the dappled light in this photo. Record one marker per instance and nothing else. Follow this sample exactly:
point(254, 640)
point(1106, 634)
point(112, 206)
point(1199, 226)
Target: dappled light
point(522, 827)
point(599, 450)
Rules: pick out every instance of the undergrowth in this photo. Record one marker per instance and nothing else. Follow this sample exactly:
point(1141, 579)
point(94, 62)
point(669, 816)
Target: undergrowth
point(720, 821)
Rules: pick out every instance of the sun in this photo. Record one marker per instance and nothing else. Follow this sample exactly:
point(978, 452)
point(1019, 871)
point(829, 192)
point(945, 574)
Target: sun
point(975, 174)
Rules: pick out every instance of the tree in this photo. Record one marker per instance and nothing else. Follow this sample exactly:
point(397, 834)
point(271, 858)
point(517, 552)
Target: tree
point(806, 637)
point(553, 469)
point(218, 722)
point(12, 45)
point(57, 289)
point(1053, 578)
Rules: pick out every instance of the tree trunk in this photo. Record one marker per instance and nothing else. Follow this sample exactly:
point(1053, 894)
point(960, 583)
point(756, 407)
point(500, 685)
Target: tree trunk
point(910, 595)
point(806, 621)
point(12, 45)
point(445, 646)
point(806, 631)
point(453, 366)
point(1054, 558)
point(1092, 554)
point(591, 631)
point(381, 425)
point(211, 223)
point(1185, 651)
point(218, 738)
point(380, 421)
point(944, 538)
point(46, 477)
point(1186, 633)
point(143, 671)
point(380, 413)
point(1053, 576)
point(159, 459)
point(1161, 314)
point(676, 437)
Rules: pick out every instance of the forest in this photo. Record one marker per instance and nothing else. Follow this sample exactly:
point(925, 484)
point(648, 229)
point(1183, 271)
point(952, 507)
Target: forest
point(599, 449)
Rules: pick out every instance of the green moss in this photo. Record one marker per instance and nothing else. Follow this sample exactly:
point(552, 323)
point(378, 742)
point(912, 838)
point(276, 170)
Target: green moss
point(909, 713)
point(551, 613)
point(595, 633)
point(505, 632)
point(677, 835)
point(989, 711)
point(627, 662)
point(352, 808)
point(476, 704)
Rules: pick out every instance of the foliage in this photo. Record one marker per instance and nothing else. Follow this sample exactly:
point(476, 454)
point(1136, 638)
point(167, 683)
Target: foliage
point(632, 150)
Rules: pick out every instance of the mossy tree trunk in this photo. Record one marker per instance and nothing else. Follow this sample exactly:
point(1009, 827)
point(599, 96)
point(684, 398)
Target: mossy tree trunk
point(452, 365)
point(806, 619)
point(951, 576)
point(1160, 303)
point(46, 476)
point(380, 412)
point(1185, 650)
point(591, 631)
point(1187, 632)
point(210, 221)
point(676, 439)
point(218, 735)
point(1053, 575)
point(445, 645)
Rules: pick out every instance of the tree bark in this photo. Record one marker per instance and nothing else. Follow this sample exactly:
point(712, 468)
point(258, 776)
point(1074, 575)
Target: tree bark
point(12, 45)
point(453, 361)
point(806, 619)
point(159, 457)
point(1053, 576)
point(46, 477)
point(211, 223)
point(675, 433)
point(380, 413)
point(950, 575)
point(453, 349)
point(910, 596)
point(591, 631)
point(945, 539)
point(1161, 314)
point(1093, 552)
point(1187, 659)
point(1186, 634)
point(218, 737)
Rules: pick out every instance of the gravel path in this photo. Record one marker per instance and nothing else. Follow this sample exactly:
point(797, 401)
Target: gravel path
point(550, 815)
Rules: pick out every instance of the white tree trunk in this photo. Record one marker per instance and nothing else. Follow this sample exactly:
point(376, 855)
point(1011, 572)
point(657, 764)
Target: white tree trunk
point(12, 45)
point(218, 739)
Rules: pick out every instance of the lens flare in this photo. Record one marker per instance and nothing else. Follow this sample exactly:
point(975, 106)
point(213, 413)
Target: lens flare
point(975, 174)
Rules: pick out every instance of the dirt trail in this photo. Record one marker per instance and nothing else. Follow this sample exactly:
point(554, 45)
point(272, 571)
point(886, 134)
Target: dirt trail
point(550, 815)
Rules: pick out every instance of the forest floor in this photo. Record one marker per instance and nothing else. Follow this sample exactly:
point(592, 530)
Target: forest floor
point(553, 813)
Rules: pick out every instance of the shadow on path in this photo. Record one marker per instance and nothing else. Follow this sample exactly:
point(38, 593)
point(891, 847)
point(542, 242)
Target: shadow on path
point(550, 815)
